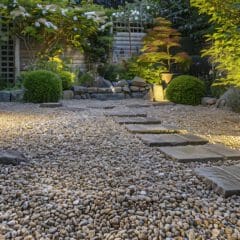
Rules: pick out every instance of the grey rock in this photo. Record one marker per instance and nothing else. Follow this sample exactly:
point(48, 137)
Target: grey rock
point(121, 83)
point(139, 82)
point(17, 95)
point(100, 82)
point(5, 96)
point(68, 94)
point(11, 157)
point(208, 101)
point(79, 89)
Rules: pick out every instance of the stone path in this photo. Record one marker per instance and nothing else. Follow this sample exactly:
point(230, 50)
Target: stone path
point(151, 128)
point(224, 180)
point(159, 140)
point(125, 114)
point(185, 148)
point(137, 120)
point(10, 157)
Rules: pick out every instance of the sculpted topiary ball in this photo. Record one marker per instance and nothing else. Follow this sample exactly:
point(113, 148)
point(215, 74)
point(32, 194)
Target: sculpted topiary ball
point(42, 86)
point(186, 89)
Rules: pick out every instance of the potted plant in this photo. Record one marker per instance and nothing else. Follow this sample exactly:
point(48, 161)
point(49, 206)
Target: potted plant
point(161, 47)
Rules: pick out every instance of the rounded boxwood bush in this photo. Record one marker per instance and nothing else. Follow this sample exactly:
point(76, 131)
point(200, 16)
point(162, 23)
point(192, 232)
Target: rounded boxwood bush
point(67, 79)
point(42, 86)
point(185, 89)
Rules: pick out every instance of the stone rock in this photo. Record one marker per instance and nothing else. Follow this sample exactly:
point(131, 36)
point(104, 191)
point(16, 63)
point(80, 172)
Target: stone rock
point(116, 89)
point(142, 89)
point(68, 94)
point(5, 96)
point(137, 120)
point(104, 90)
point(51, 105)
point(139, 82)
point(126, 89)
point(77, 97)
point(79, 89)
point(92, 90)
point(11, 157)
point(208, 101)
point(224, 100)
point(134, 88)
point(100, 82)
point(137, 94)
point(121, 83)
point(17, 95)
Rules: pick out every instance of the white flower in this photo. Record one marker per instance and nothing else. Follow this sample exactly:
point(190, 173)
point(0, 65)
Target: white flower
point(44, 11)
point(63, 11)
point(75, 29)
point(75, 18)
point(148, 7)
point(37, 24)
point(39, 6)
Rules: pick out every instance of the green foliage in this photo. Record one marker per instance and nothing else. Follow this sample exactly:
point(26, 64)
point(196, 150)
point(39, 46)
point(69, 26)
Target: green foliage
point(185, 89)
point(161, 44)
point(150, 72)
point(86, 80)
point(42, 86)
point(224, 50)
point(218, 88)
point(67, 78)
point(113, 72)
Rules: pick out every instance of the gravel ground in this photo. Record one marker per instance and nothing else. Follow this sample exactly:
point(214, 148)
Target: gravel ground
point(88, 178)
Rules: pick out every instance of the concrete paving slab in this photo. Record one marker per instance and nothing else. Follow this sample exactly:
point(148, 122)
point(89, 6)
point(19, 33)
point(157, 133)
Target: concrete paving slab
point(138, 105)
point(171, 139)
point(224, 180)
point(151, 129)
point(125, 114)
point(191, 153)
point(137, 120)
point(225, 151)
point(51, 105)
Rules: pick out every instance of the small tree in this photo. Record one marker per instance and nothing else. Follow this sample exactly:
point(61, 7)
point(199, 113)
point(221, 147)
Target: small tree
point(161, 44)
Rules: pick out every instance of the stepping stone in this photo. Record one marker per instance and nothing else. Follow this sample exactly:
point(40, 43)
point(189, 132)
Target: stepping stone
point(190, 153)
point(163, 103)
point(138, 105)
point(51, 105)
point(224, 180)
point(209, 152)
point(160, 140)
point(102, 107)
point(10, 157)
point(137, 120)
point(150, 128)
point(227, 152)
point(125, 114)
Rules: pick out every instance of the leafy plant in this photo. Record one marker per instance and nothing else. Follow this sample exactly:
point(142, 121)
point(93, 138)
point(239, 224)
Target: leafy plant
point(86, 80)
point(112, 72)
point(233, 100)
point(161, 44)
point(185, 89)
point(224, 45)
point(67, 78)
point(42, 86)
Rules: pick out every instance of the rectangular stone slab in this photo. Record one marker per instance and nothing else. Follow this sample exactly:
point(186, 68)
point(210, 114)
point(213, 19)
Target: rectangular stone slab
point(224, 180)
point(137, 120)
point(160, 140)
point(227, 152)
point(150, 129)
point(191, 153)
point(125, 114)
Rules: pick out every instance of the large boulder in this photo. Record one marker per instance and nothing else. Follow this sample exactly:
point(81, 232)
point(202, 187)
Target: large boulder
point(5, 96)
point(100, 82)
point(79, 90)
point(139, 82)
point(230, 99)
point(68, 94)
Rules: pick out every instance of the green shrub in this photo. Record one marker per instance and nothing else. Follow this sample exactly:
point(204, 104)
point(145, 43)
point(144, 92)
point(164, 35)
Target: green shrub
point(86, 80)
point(67, 78)
point(218, 88)
point(185, 89)
point(233, 99)
point(42, 86)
